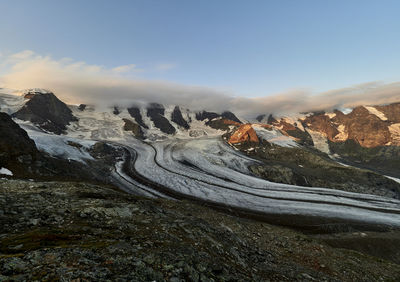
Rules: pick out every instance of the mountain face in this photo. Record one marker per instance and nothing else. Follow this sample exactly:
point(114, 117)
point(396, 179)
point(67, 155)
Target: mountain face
point(47, 111)
point(15, 144)
point(368, 126)
point(367, 137)
point(362, 126)
point(20, 155)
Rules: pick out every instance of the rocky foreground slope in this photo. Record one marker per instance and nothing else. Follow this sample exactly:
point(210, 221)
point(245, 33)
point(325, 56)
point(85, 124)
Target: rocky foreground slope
point(67, 231)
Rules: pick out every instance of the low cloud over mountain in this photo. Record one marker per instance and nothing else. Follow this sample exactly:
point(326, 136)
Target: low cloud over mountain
point(80, 82)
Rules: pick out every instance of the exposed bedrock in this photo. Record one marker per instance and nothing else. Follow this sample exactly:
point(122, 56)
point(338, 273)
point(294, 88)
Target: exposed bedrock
point(156, 114)
point(46, 111)
point(177, 117)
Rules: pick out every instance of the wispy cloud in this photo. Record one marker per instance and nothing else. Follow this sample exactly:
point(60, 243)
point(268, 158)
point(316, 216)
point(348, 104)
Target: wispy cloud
point(126, 68)
point(79, 82)
point(22, 55)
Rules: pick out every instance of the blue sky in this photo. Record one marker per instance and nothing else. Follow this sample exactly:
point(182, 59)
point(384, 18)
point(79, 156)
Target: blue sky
point(251, 48)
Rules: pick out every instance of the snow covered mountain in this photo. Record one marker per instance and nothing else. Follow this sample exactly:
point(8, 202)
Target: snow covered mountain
point(270, 170)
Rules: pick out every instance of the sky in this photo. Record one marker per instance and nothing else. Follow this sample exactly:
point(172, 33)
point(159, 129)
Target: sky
point(243, 49)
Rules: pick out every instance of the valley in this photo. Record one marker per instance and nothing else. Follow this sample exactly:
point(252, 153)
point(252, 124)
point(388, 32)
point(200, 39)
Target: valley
point(273, 173)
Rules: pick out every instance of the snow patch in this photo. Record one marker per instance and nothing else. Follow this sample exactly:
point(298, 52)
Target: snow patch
point(6, 171)
point(346, 111)
point(374, 111)
point(343, 135)
point(274, 136)
point(320, 140)
point(393, 178)
point(330, 115)
point(395, 132)
point(10, 102)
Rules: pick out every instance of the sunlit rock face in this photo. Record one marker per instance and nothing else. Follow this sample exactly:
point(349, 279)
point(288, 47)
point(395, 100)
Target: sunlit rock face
point(323, 124)
point(367, 126)
point(391, 112)
point(245, 133)
point(368, 129)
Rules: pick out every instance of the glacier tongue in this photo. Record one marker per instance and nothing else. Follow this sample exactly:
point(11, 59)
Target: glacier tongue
point(220, 177)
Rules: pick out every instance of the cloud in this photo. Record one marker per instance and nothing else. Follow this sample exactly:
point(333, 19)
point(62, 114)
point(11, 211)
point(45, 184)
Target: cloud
point(125, 68)
point(79, 82)
point(22, 55)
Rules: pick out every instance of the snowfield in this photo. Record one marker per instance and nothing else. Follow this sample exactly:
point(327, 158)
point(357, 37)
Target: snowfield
point(274, 136)
point(60, 146)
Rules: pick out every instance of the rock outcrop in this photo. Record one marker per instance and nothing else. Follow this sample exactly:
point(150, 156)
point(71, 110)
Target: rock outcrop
point(230, 116)
point(177, 117)
point(206, 115)
point(135, 113)
point(15, 144)
point(292, 128)
point(245, 133)
point(46, 111)
point(259, 118)
point(366, 126)
point(116, 111)
point(156, 114)
point(82, 107)
point(322, 123)
point(222, 124)
point(391, 112)
point(133, 127)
